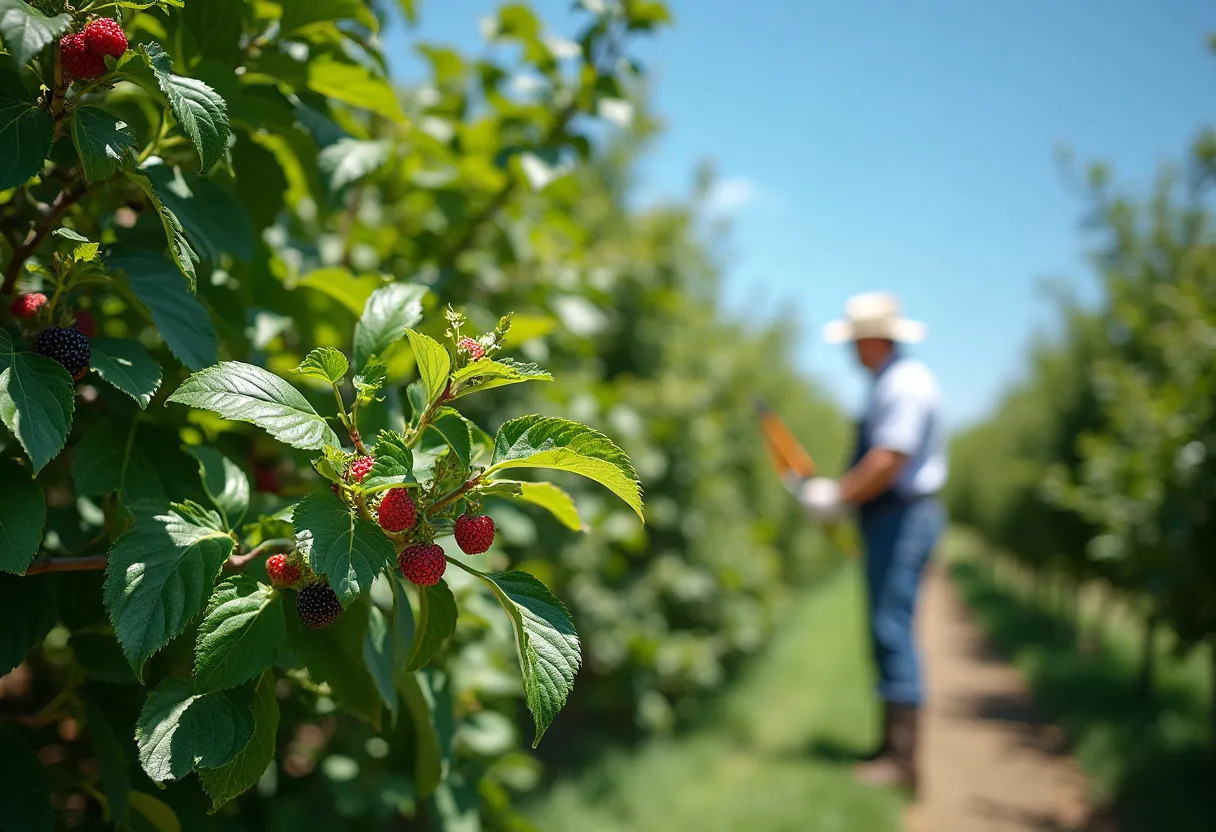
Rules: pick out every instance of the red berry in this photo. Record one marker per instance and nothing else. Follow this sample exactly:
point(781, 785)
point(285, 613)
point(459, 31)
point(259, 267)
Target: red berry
point(24, 306)
point(396, 511)
point(78, 59)
point(104, 36)
point(360, 467)
point(318, 606)
point(474, 533)
point(475, 350)
point(282, 573)
point(86, 324)
point(422, 563)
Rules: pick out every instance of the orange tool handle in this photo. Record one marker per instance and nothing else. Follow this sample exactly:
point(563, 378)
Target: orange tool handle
point(786, 452)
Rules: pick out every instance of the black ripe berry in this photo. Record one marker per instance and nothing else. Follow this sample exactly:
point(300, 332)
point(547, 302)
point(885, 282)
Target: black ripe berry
point(65, 344)
point(318, 606)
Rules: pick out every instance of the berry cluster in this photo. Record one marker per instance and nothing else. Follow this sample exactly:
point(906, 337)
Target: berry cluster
point(475, 350)
point(282, 572)
point(27, 305)
point(318, 606)
point(360, 467)
point(84, 53)
point(66, 345)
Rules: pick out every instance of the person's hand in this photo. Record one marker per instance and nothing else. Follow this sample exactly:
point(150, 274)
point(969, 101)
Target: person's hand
point(821, 497)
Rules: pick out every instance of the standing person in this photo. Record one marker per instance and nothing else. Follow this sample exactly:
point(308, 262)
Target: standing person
point(898, 467)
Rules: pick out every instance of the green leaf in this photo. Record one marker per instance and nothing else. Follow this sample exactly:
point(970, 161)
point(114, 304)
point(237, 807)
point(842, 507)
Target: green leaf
point(184, 255)
point(430, 763)
point(160, 575)
point(339, 283)
point(334, 655)
point(299, 14)
point(436, 622)
point(386, 315)
point(455, 431)
point(108, 459)
point(488, 373)
point(100, 657)
point(104, 142)
point(180, 319)
point(349, 160)
point(231, 779)
point(180, 731)
point(22, 516)
point(240, 636)
point(25, 793)
point(548, 645)
point(224, 482)
point(26, 132)
point(540, 442)
point(126, 364)
point(213, 219)
point(111, 761)
point(37, 397)
point(554, 500)
point(27, 31)
point(394, 464)
point(378, 655)
point(245, 393)
point(153, 811)
point(347, 549)
point(30, 610)
point(370, 380)
point(434, 364)
point(403, 624)
point(200, 111)
point(325, 363)
point(354, 84)
point(70, 234)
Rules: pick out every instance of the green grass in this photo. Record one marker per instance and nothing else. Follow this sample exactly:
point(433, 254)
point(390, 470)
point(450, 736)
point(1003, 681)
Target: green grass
point(1147, 757)
point(770, 758)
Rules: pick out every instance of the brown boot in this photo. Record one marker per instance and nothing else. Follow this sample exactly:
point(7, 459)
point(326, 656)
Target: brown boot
point(897, 767)
point(884, 743)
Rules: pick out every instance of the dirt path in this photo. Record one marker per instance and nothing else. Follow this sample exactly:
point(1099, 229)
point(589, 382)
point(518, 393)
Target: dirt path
point(989, 762)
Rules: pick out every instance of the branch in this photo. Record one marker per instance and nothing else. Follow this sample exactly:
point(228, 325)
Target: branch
point(84, 563)
point(276, 545)
point(468, 486)
point(66, 199)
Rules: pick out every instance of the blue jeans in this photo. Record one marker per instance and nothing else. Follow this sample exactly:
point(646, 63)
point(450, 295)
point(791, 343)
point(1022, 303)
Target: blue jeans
point(899, 539)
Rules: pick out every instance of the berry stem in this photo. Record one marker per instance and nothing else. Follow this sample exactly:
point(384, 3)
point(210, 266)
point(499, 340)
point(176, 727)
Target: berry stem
point(444, 502)
point(276, 545)
point(66, 199)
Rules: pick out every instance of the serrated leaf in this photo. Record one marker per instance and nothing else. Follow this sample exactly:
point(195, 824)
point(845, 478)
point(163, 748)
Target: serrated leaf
point(394, 464)
point(108, 459)
point(27, 31)
point(542, 442)
point(370, 380)
point(339, 283)
point(224, 482)
point(325, 363)
point(349, 160)
point(69, 234)
point(180, 731)
point(430, 762)
point(354, 84)
point(231, 779)
point(548, 645)
point(126, 364)
point(300, 14)
point(111, 761)
point(159, 576)
point(488, 373)
point(103, 142)
point(200, 111)
point(180, 319)
point(213, 219)
point(25, 793)
point(30, 610)
point(437, 615)
point(37, 397)
point(85, 252)
point(386, 315)
point(347, 549)
point(554, 500)
point(22, 517)
point(25, 128)
point(184, 255)
point(456, 432)
point(378, 656)
point(245, 393)
point(403, 623)
point(434, 364)
point(240, 634)
point(334, 655)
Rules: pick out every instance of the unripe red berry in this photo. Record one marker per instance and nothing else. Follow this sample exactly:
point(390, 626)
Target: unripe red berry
point(105, 36)
point(282, 572)
point(78, 59)
point(24, 306)
point(360, 467)
point(474, 533)
point(475, 350)
point(422, 563)
point(397, 511)
point(318, 606)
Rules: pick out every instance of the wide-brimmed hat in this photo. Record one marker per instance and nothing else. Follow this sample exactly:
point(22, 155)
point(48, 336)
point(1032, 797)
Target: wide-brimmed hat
point(874, 315)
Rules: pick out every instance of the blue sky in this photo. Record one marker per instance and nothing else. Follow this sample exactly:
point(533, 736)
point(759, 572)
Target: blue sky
point(907, 146)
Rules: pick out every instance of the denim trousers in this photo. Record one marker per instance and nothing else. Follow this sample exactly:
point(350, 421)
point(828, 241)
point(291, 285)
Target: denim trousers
point(899, 538)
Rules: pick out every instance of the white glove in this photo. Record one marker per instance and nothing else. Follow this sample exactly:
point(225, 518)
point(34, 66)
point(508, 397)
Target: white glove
point(821, 497)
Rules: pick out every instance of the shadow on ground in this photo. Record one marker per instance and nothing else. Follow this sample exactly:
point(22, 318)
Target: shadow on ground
point(1147, 755)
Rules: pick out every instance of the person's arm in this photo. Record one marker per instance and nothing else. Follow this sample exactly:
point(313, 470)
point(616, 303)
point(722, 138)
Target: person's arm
point(873, 474)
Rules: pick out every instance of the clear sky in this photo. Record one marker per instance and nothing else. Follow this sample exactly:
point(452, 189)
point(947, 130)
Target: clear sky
point(907, 146)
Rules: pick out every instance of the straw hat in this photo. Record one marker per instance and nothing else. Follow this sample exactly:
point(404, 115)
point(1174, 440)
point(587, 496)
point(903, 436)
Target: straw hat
point(874, 315)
